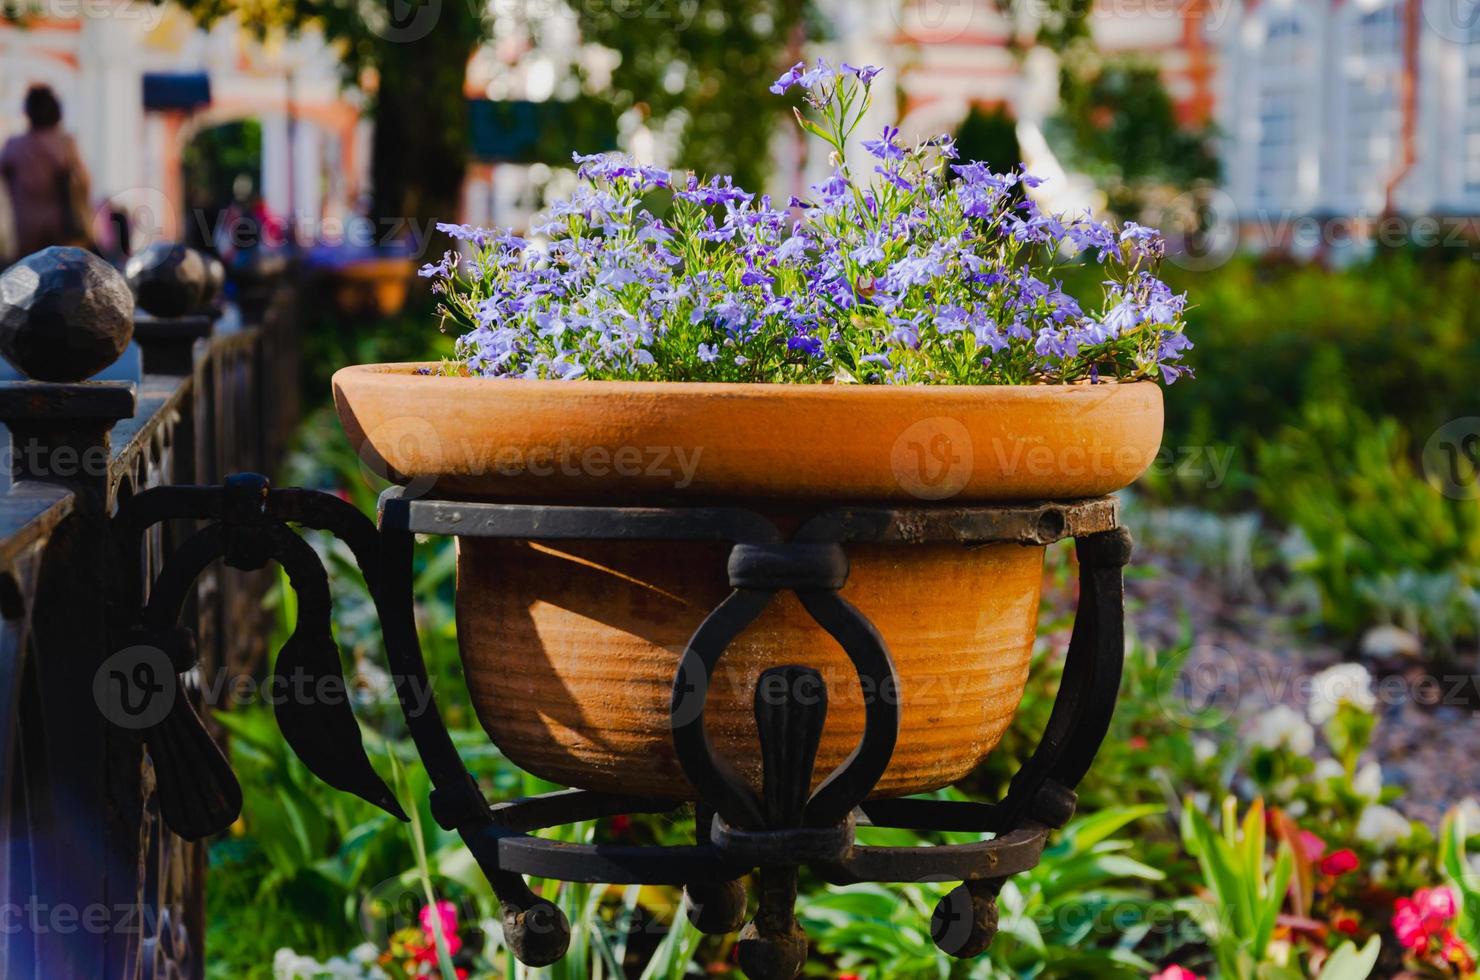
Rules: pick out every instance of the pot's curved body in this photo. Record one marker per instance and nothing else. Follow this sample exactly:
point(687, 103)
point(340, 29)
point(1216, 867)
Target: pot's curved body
point(570, 648)
point(570, 654)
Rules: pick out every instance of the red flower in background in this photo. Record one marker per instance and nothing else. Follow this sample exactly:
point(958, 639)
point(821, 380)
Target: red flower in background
point(1345, 922)
point(1340, 862)
point(446, 916)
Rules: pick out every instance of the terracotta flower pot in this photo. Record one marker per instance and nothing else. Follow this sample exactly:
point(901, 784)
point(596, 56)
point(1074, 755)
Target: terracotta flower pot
point(570, 648)
point(372, 287)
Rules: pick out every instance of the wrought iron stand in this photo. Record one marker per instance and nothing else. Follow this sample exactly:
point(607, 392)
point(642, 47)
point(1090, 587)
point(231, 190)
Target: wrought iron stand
point(737, 831)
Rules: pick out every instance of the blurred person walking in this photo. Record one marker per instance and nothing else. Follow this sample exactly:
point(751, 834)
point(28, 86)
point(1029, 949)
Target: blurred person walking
point(46, 180)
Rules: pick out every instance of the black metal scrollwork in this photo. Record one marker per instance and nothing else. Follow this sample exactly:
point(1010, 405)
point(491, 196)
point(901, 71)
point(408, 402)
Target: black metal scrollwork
point(737, 830)
point(198, 793)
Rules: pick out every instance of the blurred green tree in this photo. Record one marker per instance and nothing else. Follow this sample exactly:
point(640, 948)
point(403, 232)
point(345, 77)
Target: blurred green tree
point(705, 68)
point(989, 135)
point(1119, 126)
point(411, 58)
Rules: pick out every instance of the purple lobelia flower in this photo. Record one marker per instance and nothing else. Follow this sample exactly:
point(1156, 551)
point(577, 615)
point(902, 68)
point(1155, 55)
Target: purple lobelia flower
point(789, 78)
point(929, 271)
point(887, 146)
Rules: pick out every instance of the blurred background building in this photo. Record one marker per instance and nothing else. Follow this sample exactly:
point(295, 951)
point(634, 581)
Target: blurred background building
point(1332, 109)
point(168, 116)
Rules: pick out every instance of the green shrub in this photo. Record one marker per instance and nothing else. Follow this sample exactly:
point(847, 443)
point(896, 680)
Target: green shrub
point(1408, 332)
point(1383, 542)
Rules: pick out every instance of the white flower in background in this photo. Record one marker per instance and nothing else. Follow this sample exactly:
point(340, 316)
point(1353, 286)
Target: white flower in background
point(1329, 768)
point(1204, 750)
point(1283, 726)
point(1469, 811)
point(1297, 808)
point(287, 964)
point(364, 954)
point(1285, 788)
point(360, 965)
point(1279, 951)
point(1368, 781)
point(371, 685)
point(1343, 684)
point(1383, 826)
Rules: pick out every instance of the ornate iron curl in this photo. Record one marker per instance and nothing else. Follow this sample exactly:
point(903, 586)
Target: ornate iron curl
point(737, 831)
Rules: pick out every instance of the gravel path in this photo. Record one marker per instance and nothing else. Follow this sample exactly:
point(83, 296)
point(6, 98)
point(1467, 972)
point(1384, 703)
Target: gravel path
point(1428, 738)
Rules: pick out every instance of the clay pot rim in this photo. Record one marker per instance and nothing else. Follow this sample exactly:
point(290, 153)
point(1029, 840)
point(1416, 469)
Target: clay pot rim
point(772, 441)
point(410, 370)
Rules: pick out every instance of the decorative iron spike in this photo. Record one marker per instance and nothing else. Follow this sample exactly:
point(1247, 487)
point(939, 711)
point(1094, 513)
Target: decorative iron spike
point(313, 710)
point(790, 708)
point(197, 791)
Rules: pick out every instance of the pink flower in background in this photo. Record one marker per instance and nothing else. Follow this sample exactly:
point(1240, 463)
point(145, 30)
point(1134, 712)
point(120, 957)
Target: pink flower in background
point(1176, 973)
point(446, 916)
point(1311, 845)
point(1441, 902)
point(1422, 922)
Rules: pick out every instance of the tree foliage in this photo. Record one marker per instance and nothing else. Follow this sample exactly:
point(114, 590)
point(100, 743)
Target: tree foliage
point(1122, 129)
point(412, 57)
point(705, 67)
point(701, 69)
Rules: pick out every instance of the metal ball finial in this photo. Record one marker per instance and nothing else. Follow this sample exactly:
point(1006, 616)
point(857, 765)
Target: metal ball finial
point(168, 279)
point(715, 909)
point(965, 919)
point(65, 314)
point(772, 956)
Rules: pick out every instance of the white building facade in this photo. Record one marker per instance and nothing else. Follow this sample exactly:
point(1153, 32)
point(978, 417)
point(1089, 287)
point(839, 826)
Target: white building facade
point(1346, 110)
point(314, 141)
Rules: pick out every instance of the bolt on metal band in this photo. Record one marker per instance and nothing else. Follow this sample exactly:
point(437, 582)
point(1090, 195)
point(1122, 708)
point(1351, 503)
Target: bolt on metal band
point(773, 567)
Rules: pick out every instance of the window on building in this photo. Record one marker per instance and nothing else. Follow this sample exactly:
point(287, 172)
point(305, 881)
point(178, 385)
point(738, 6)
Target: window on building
point(1286, 86)
point(1469, 40)
point(1372, 76)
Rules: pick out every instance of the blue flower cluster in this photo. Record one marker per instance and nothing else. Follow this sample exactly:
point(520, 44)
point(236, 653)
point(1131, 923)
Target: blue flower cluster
point(930, 271)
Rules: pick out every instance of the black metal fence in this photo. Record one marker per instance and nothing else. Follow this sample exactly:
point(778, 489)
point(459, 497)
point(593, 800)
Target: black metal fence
point(91, 882)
